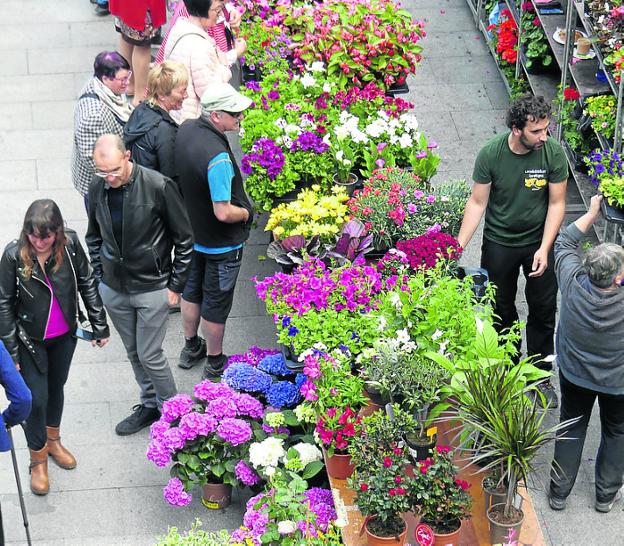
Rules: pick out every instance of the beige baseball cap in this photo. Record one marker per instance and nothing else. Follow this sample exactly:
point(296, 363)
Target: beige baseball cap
point(222, 96)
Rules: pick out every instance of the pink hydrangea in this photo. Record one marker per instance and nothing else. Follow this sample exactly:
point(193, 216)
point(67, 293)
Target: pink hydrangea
point(177, 406)
point(175, 495)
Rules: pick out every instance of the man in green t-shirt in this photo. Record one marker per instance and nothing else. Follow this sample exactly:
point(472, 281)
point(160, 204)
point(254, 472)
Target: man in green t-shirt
point(520, 183)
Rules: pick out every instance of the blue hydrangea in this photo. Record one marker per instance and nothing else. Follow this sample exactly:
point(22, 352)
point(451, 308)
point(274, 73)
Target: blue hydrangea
point(283, 394)
point(300, 380)
point(274, 364)
point(246, 378)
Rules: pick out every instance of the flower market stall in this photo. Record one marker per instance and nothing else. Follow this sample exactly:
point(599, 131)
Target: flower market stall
point(348, 431)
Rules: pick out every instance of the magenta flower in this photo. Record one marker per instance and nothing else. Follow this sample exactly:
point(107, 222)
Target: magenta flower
point(245, 475)
point(177, 406)
point(207, 390)
point(222, 407)
point(196, 424)
point(175, 495)
point(158, 454)
point(308, 390)
point(234, 431)
point(174, 439)
point(248, 406)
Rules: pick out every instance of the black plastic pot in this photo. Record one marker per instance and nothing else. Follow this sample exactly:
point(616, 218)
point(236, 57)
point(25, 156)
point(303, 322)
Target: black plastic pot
point(420, 449)
point(480, 279)
point(375, 396)
point(250, 75)
point(292, 359)
point(397, 89)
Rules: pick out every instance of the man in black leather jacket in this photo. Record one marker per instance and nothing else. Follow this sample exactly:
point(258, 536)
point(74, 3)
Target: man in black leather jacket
point(136, 217)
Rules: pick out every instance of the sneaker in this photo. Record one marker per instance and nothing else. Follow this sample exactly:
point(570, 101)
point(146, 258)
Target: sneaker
point(556, 503)
point(141, 418)
point(102, 9)
point(212, 369)
point(549, 400)
point(192, 357)
point(605, 507)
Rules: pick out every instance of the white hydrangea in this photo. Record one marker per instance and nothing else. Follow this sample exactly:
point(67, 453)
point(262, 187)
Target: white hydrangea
point(308, 453)
point(405, 140)
point(286, 527)
point(409, 121)
point(266, 453)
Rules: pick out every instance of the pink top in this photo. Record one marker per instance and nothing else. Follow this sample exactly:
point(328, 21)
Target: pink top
point(57, 325)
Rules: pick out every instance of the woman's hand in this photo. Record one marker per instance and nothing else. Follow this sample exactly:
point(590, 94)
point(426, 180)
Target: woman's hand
point(235, 19)
point(240, 46)
point(18, 367)
point(100, 342)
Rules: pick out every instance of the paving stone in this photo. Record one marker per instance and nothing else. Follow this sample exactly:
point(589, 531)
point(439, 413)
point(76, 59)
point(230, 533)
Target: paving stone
point(94, 33)
point(252, 266)
point(36, 143)
point(424, 75)
point(243, 332)
point(34, 88)
point(497, 93)
point(446, 20)
point(29, 35)
point(479, 125)
point(54, 174)
point(80, 80)
point(53, 115)
point(61, 60)
point(438, 126)
point(15, 12)
point(466, 69)
point(442, 97)
point(16, 116)
point(439, 47)
point(18, 175)
point(14, 62)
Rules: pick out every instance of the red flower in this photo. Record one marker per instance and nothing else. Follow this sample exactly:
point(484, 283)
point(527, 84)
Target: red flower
point(331, 412)
point(423, 468)
point(463, 484)
point(536, 22)
point(387, 462)
point(443, 449)
point(397, 451)
point(326, 436)
point(349, 430)
point(397, 479)
point(392, 492)
point(364, 487)
point(569, 93)
point(400, 491)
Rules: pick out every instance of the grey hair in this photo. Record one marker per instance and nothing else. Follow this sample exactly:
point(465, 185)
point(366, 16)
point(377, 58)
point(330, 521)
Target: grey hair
point(108, 141)
point(603, 263)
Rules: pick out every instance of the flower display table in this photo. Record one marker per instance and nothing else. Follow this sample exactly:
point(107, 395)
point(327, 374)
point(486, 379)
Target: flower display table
point(474, 531)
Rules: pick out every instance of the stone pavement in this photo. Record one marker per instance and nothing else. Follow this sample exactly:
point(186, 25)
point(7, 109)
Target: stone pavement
point(114, 497)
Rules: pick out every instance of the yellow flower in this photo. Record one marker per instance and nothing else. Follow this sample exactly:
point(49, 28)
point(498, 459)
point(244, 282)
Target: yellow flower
point(278, 231)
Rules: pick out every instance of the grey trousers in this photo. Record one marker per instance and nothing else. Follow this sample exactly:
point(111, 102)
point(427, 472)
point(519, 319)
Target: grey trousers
point(141, 320)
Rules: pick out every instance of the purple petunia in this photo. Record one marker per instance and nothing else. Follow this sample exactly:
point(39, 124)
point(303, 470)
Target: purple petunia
point(266, 154)
point(309, 142)
point(245, 475)
point(174, 493)
point(234, 431)
point(177, 406)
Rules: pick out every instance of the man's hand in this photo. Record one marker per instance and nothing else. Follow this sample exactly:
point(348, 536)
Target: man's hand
point(540, 262)
point(173, 298)
point(240, 46)
point(18, 367)
point(99, 342)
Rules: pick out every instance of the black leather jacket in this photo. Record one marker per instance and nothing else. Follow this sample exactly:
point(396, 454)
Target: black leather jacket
point(25, 303)
point(154, 222)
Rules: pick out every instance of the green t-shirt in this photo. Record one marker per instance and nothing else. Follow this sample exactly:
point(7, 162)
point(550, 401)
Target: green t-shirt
point(518, 201)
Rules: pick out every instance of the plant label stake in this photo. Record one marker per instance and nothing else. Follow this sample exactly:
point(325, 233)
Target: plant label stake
point(432, 431)
point(424, 535)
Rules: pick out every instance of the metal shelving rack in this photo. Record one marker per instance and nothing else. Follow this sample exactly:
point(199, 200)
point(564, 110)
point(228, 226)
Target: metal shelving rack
point(581, 73)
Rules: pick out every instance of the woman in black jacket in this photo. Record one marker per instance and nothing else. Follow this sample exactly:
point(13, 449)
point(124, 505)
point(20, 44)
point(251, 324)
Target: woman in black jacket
point(41, 275)
point(150, 132)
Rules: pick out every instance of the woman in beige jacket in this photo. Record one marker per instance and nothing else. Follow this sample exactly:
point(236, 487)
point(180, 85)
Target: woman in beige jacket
point(189, 43)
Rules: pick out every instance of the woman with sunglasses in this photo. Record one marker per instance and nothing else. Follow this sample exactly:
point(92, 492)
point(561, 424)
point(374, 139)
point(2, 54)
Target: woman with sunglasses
point(102, 108)
point(41, 275)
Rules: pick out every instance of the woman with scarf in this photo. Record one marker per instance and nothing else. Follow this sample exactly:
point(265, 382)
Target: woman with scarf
point(102, 108)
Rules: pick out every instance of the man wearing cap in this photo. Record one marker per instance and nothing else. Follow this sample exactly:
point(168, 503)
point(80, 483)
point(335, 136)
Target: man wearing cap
point(221, 216)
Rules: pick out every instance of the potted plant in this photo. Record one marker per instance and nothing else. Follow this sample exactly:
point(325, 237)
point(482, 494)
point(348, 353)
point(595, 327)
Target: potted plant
point(294, 250)
point(425, 251)
point(498, 405)
point(290, 514)
point(440, 498)
point(382, 495)
point(336, 428)
point(204, 439)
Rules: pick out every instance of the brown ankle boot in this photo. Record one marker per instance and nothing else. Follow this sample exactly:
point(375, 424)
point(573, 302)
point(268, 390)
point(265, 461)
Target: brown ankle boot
point(39, 483)
point(58, 451)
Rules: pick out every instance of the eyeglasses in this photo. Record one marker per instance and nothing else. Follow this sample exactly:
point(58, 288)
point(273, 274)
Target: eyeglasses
point(117, 173)
point(235, 115)
point(124, 80)
point(40, 237)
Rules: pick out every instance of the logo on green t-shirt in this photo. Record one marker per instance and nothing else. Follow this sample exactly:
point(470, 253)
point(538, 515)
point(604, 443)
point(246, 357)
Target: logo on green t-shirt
point(535, 179)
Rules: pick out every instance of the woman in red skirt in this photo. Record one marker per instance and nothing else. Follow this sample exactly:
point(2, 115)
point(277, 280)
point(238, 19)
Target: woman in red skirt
point(138, 22)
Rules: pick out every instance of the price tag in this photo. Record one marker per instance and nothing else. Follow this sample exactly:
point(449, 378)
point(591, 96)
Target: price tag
point(432, 431)
point(424, 535)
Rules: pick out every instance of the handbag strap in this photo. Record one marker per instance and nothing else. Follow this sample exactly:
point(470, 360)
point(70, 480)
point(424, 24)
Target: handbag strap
point(183, 36)
point(80, 316)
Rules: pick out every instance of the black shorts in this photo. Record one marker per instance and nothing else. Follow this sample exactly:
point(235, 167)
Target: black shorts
point(211, 283)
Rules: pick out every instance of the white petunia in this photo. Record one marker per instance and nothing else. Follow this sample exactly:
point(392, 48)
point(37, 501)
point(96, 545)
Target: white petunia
point(286, 527)
point(382, 323)
point(317, 66)
point(395, 300)
point(326, 87)
point(436, 334)
point(281, 123)
point(403, 335)
point(307, 80)
point(291, 128)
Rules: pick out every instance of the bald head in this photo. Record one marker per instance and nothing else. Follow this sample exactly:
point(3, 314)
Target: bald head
point(112, 160)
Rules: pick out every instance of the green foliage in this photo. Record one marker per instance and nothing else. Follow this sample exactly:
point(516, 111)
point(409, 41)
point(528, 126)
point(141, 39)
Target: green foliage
point(194, 537)
point(534, 39)
point(613, 190)
point(602, 111)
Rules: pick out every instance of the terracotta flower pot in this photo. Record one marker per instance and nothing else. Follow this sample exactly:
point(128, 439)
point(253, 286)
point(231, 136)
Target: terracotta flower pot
point(217, 496)
point(375, 540)
point(338, 466)
point(448, 539)
point(504, 532)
